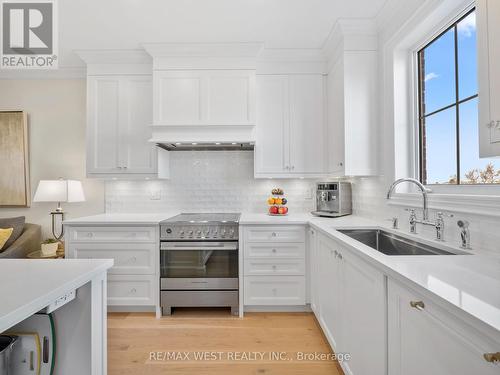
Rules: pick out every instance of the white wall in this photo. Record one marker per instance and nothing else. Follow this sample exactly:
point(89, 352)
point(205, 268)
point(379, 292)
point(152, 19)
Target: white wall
point(203, 181)
point(56, 119)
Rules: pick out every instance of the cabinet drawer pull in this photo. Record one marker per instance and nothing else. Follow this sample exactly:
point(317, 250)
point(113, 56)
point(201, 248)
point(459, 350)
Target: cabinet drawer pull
point(419, 305)
point(492, 357)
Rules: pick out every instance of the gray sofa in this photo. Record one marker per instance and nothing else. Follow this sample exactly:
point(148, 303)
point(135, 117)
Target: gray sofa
point(27, 242)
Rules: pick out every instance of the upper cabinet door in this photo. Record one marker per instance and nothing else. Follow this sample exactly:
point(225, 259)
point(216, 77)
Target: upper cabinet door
point(271, 147)
point(204, 97)
point(488, 32)
point(307, 124)
point(138, 155)
point(231, 97)
point(335, 121)
point(103, 129)
point(177, 97)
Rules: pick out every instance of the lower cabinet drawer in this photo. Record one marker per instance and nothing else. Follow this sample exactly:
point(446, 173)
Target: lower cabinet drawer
point(133, 259)
point(130, 290)
point(275, 290)
point(274, 250)
point(270, 267)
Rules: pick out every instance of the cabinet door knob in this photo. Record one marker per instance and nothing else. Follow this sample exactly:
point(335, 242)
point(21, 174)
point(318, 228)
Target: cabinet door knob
point(419, 305)
point(492, 357)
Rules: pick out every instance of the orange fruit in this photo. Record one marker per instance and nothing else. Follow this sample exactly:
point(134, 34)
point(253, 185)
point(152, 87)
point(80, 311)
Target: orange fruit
point(270, 201)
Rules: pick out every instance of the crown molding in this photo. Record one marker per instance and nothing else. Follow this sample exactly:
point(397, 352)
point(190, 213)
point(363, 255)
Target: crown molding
point(114, 56)
point(217, 50)
point(350, 35)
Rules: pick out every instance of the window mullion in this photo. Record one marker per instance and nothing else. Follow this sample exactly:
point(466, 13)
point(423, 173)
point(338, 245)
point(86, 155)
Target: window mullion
point(457, 109)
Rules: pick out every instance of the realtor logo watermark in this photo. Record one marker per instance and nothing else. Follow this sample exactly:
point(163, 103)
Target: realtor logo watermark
point(29, 34)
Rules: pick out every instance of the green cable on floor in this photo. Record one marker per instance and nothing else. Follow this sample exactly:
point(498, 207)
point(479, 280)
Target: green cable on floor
point(53, 330)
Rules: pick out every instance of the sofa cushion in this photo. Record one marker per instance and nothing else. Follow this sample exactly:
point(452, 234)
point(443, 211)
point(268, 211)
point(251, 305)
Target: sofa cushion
point(17, 223)
point(5, 235)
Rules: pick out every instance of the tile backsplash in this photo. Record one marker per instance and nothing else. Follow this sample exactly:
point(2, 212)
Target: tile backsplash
point(203, 181)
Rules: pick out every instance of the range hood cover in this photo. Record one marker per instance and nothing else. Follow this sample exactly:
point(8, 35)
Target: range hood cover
point(207, 146)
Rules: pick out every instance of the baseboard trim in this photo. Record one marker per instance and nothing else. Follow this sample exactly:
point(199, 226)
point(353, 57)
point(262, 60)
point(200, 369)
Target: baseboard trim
point(132, 309)
point(298, 308)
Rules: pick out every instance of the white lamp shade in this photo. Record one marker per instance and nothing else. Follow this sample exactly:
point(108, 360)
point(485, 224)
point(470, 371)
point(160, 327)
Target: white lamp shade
point(59, 191)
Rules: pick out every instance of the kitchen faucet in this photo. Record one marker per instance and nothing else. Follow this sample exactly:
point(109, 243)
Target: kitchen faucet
point(422, 188)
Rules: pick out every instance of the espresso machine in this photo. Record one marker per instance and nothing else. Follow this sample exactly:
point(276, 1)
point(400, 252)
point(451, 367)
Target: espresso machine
point(333, 199)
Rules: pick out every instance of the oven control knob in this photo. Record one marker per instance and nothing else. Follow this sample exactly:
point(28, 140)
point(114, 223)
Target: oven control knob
point(198, 233)
point(190, 233)
point(169, 230)
point(181, 233)
point(231, 233)
point(215, 233)
point(207, 233)
point(223, 233)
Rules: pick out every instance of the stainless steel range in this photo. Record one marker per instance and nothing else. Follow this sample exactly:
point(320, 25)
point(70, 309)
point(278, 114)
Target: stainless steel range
point(199, 261)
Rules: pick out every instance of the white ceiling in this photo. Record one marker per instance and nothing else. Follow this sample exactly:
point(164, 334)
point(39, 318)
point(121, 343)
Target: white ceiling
point(126, 24)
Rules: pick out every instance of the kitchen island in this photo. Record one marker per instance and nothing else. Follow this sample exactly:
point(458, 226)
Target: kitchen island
point(30, 286)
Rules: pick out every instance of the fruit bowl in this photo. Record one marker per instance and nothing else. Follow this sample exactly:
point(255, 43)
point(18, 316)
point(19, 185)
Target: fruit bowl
point(270, 214)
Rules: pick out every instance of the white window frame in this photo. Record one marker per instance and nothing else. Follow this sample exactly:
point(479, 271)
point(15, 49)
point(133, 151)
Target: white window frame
point(484, 189)
point(470, 199)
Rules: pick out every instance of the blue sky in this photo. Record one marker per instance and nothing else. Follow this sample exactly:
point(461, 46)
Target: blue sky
point(440, 92)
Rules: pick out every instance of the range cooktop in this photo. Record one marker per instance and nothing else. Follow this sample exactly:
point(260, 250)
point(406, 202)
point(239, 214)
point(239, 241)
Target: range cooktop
point(202, 218)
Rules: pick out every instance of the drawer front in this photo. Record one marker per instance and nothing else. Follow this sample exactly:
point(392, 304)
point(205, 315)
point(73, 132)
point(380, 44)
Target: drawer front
point(275, 250)
point(134, 259)
point(114, 234)
point(132, 290)
point(275, 290)
point(294, 267)
point(281, 233)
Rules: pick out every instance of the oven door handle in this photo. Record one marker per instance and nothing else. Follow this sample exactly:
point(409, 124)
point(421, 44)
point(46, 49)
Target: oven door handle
point(184, 247)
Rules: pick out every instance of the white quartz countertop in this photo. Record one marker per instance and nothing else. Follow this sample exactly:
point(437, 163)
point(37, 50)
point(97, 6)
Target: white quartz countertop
point(257, 218)
point(29, 285)
point(122, 219)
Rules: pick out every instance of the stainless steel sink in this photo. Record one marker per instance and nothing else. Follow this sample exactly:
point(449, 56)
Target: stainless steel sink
point(392, 244)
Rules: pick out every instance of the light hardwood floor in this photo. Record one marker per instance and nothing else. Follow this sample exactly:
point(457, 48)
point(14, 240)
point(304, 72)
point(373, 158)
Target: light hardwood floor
point(133, 336)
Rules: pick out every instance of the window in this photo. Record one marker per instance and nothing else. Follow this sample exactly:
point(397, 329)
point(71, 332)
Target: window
point(448, 109)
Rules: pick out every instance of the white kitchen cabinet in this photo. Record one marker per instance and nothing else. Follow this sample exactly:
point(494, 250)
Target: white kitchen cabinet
point(426, 339)
point(313, 271)
point(274, 265)
point(488, 33)
point(119, 116)
point(330, 291)
point(204, 97)
point(351, 87)
point(290, 134)
point(352, 307)
point(133, 280)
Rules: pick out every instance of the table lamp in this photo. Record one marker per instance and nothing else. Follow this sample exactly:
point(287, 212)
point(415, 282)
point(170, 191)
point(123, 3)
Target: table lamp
point(59, 191)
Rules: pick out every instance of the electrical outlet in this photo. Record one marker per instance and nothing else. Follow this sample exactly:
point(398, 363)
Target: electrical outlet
point(308, 193)
point(155, 195)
